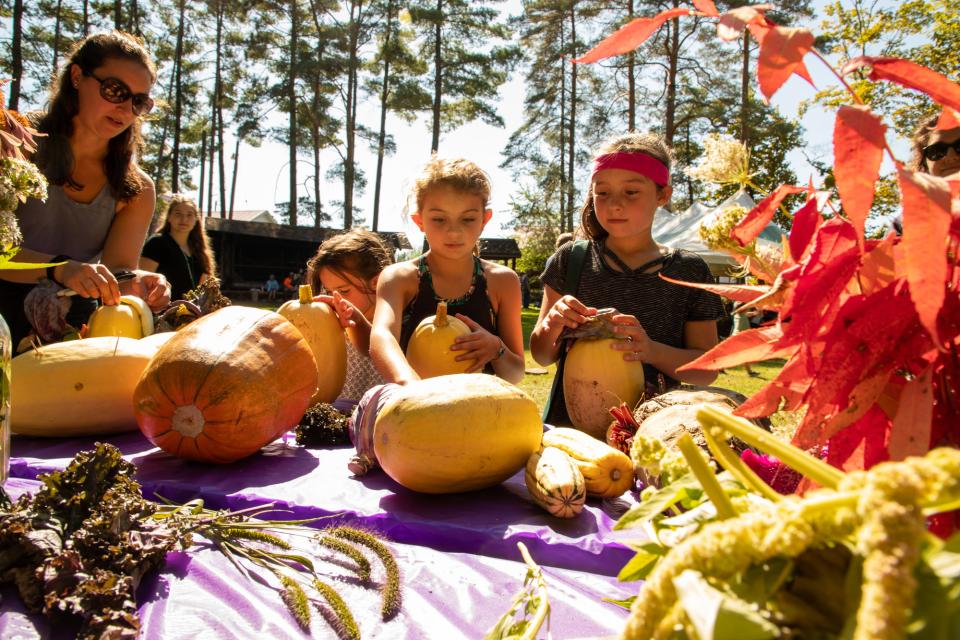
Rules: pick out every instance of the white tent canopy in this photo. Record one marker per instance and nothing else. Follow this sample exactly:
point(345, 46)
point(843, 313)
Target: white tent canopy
point(682, 230)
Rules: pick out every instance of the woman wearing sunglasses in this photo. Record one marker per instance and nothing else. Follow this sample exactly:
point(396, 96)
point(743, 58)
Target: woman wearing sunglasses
point(99, 202)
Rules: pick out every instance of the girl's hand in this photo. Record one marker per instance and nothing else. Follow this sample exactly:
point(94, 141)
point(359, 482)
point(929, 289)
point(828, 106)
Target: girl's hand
point(638, 344)
point(346, 312)
point(91, 281)
point(567, 312)
point(479, 345)
point(152, 288)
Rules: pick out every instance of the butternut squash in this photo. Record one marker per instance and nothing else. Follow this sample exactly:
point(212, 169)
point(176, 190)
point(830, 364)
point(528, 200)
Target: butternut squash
point(607, 472)
point(428, 351)
point(596, 378)
point(555, 482)
point(456, 433)
point(131, 318)
point(321, 329)
point(77, 388)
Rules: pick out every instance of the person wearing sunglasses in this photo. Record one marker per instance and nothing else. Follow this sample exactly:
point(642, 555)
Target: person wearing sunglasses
point(100, 202)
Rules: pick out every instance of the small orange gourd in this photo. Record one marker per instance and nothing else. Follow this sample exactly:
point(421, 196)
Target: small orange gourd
point(321, 329)
point(225, 385)
point(428, 351)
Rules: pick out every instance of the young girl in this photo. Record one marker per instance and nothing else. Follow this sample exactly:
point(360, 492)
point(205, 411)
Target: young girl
point(451, 210)
point(346, 268)
point(181, 250)
point(667, 325)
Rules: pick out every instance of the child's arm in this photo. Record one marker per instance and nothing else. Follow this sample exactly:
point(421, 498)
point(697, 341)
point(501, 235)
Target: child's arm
point(393, 292)
point(699, 336)
point(556, 312)
point(351, 319)
point(504, 287)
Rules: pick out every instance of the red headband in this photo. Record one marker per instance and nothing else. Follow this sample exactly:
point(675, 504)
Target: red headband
point(633, 161)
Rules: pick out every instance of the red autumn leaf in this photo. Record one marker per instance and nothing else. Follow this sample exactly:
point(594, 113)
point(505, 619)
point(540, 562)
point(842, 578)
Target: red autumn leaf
point(736, 292)
point(806, 222)
point(760, 216)
point(781, 55)
point(858, 142)
point(630, 36)
point(788, 388)
point(733, 22)
point(926, 226)
point(910, 433)
point(706, 7)
point(877, 269)
point(949, 119)
point(861, 445)
point(753, 345)
point(911, 75)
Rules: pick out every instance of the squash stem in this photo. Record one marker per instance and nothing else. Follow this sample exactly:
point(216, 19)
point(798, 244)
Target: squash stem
point(440, 320)
point(706, 477)
point(813, 468)
point(306, 294)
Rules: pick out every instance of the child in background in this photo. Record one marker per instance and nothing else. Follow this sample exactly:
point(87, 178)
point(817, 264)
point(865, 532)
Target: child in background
point(346, 268)
point(667, 325)
point(451, 210)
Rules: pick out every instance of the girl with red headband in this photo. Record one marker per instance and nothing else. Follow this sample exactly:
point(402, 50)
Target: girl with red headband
point(667, 325)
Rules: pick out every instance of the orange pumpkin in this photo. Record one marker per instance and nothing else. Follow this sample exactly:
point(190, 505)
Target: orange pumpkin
point(225, 385)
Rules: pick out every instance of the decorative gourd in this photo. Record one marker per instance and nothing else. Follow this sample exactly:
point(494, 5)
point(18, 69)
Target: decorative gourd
point(428, 351)
point(456, 433)
point(321, 329)
point(606, 471)
point(555, 482)
point(77, 388)
point(596, 378)
point(225, 385)
point(131, 318)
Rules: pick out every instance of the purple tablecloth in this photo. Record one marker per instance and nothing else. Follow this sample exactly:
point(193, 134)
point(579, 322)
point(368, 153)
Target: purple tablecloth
point(316, 482)
point(199, 594)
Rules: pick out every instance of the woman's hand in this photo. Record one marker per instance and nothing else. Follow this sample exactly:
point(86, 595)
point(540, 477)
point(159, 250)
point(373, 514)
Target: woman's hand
point(347, 314)
point(566, 312)
point(152, 288)
point(91, 281)
point(479, 345)
point(638, 345)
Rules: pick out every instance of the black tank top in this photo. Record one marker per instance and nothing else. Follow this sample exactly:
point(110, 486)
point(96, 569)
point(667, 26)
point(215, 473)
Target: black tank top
point(475, 304)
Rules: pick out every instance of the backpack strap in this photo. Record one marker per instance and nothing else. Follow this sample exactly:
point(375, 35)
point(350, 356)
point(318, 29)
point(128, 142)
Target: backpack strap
point(578, 256)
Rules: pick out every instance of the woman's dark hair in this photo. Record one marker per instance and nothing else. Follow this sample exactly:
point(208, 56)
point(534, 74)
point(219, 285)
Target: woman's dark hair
point(197, 240)
point(921, 138)
point(648, 143)
point(54, 156)
point(358, 253)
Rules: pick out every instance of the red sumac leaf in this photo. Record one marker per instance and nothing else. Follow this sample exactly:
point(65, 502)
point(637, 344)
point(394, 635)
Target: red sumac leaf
point(629, 36)
point(911, 75)
point(732, 22)
point(858, 142)
point(926, 227)
point(806, 221)
point(707, 7)
point(760, 216)
point(788, 388)
point(753, 345)
point(878, 269)
point(781, 55)
point(910, 433)
point(862, 444)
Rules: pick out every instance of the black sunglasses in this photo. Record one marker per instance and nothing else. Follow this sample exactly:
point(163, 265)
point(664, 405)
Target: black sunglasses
point(938, 150)
point(117, 92)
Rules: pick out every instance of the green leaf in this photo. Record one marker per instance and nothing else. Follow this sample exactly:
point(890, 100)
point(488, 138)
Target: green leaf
point(720, 616)
point(626, 604)
point(658, 502)
point(643, 563)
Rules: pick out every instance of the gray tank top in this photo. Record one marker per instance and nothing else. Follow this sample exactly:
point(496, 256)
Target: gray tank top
point(61, 226)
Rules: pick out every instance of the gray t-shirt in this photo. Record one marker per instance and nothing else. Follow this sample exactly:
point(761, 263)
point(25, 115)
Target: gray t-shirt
point(61, 226)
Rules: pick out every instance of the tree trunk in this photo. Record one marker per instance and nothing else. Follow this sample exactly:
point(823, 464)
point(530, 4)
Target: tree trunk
point(210, 149)
point(384, 96)
point(118, 15)
point(218, 89)
point(437, 77)
point(158, 171)
point(135, 18)
point(178, 103)
point(571, 143)
point(317, 206)
point(233, 179)
point(673, 46)
point(562, 185)
point(292, 98)
point(16, 47)
point(86, 17)
point(631, 81)
point(203, 168)
point(745, 91)
point(56, 39)
point(349, 169)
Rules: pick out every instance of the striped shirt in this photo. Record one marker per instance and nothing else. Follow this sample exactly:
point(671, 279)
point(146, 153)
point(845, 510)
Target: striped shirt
point(661, 307)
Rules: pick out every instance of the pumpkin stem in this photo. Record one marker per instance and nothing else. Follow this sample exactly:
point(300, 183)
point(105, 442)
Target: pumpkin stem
point(306, 294)
point(188, 421)
point(440, 320)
